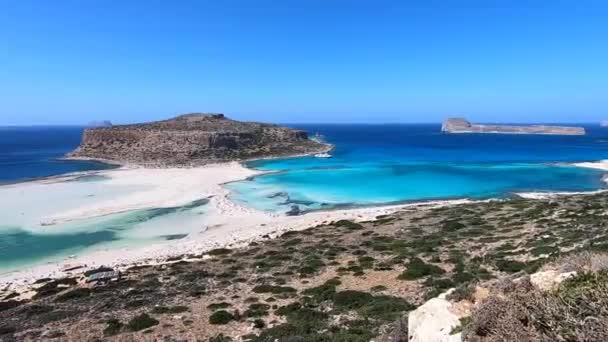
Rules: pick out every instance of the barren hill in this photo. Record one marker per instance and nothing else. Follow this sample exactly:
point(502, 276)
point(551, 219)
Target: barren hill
point(192, 139)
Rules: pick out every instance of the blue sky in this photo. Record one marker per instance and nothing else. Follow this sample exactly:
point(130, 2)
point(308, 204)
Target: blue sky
point(70, 62)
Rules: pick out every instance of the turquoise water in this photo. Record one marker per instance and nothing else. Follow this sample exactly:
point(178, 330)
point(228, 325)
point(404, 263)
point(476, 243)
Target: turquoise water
point(400, 163)
point(22, 246)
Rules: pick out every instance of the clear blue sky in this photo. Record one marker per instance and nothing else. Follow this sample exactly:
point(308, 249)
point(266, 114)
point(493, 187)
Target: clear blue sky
point(70, 62)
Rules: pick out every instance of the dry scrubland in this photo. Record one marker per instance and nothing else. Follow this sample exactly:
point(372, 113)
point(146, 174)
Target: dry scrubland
point(350, 281)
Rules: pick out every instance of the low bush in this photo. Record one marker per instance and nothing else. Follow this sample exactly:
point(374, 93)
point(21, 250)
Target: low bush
point(221, 317)
point(219, 251)
point(170, 310)
point(113, 327)
point(80, 292)
point(141, 322)
point(417, 269)
point(274, 289)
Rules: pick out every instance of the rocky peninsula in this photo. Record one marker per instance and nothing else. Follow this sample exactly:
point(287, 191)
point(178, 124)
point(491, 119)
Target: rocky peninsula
point(192, 139)
point(460, 125)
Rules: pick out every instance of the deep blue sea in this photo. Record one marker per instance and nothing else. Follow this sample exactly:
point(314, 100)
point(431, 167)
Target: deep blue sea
point(376, 164)
point(32, 152)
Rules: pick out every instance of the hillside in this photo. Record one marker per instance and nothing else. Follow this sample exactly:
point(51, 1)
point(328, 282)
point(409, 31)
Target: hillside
point(341, 281)
point(192, 139)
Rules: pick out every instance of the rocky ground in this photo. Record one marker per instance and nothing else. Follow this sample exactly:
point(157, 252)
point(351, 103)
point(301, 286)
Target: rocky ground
point(344, 281)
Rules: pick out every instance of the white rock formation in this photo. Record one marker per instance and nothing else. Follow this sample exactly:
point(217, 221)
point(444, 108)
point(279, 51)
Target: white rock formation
point(547, 280)
point(433, 322)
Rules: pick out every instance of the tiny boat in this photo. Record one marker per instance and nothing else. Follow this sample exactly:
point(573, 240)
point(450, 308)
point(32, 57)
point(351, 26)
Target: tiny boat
point(323, 155)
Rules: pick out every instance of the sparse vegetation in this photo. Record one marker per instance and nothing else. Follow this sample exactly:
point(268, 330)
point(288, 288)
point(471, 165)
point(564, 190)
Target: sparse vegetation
point(576, 311)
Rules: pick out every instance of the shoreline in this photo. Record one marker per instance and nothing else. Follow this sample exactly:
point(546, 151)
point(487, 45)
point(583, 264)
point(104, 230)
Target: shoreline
point(223, 224)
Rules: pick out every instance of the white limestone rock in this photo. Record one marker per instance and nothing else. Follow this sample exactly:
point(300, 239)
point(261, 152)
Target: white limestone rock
point(433, 322)
point(547, 280)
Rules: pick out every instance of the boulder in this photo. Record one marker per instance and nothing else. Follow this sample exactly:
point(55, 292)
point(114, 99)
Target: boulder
point(433, 322)
point(547, 280)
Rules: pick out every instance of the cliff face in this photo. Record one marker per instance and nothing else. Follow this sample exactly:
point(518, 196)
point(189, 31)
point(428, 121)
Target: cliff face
point(192, 139)
point(460, 125)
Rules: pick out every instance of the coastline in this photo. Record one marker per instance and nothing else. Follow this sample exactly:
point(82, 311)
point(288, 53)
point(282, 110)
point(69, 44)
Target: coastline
point(226, 224)
point(222, 226)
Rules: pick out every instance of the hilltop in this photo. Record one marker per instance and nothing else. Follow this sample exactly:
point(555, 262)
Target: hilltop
point(192, 139)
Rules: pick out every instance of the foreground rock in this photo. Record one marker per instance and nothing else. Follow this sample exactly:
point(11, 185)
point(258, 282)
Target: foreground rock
point(459, 125)
point(434, 321)
point(192, 139)
point(550, 305)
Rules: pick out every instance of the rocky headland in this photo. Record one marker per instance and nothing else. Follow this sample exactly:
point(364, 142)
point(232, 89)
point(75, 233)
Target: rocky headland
point(192, 139)
point(460, 125)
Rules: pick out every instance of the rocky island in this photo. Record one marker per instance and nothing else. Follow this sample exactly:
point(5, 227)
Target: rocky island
point(460, 125)
point(192, 139)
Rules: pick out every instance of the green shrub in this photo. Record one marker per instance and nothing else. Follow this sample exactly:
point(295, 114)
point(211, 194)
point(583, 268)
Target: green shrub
point(257, 310)
point(80, 292)
point(349, 300)
point(221, 317)
point(323, 292)
point(417, 268)
point(216, 306)
point(169, 310)
point(379, 288)
point(452, 226)
point(113, 327)
point(348, 224)
point(219, 251)
point(220, 338)
point(141, 322)
point(510, 266)
point(274, 289)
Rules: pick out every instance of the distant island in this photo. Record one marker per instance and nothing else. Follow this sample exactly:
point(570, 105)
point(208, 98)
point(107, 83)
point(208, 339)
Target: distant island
point(192, 139)
point(460, 125)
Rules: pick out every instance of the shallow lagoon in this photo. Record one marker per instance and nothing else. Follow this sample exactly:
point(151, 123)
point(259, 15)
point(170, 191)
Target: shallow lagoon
point(377, 164)
point(24, 241)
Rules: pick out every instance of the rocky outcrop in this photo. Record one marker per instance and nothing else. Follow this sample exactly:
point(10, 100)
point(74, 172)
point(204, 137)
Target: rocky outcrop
point(548, 280)
point(192, 139)
point(434, 321)
point(440, 319)
point(460, 125)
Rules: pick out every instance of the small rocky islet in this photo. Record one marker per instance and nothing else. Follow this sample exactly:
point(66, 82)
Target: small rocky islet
point(461, 125)
point(349, 281)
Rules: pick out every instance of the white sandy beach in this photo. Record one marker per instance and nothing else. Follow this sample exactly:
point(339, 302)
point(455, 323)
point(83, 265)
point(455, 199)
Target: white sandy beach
point(599, 165)
point(224, 224)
